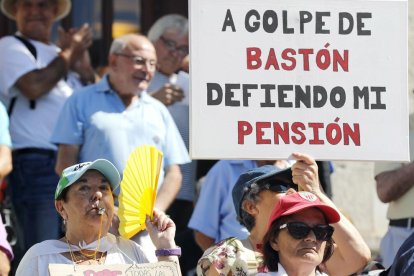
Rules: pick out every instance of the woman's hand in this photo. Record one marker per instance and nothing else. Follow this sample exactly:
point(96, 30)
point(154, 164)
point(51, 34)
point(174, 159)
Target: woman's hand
point(161, 230)
point(305, 173)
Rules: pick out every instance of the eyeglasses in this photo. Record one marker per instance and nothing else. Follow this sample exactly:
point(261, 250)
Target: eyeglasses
point(182, 51)
point(138, 60)
point(300, 230)
point(278, 187)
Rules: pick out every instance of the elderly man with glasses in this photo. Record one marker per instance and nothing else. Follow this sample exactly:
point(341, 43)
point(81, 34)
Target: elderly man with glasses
point(111, 118)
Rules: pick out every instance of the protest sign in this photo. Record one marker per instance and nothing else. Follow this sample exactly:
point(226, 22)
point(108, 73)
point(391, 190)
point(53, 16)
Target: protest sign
point(327, 78)
point(148, 269)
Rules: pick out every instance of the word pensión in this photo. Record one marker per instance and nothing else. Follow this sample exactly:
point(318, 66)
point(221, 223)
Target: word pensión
point(271, 21)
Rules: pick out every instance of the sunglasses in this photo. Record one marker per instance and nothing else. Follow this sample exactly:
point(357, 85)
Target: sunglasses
point(300, 230)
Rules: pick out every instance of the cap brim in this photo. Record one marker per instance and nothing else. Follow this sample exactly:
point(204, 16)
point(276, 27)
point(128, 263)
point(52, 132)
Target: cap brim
point(330, 213)
point(282, 178)
point(64, 7)
point(108, 170)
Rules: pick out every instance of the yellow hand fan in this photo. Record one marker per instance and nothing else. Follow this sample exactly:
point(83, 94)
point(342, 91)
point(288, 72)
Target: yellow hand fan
point(138, 189)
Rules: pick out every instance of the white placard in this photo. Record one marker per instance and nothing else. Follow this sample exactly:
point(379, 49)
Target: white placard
point(148, 269)
point(327, 78)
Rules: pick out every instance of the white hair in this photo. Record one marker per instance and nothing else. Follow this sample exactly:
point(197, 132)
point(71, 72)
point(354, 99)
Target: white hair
point(173, 22)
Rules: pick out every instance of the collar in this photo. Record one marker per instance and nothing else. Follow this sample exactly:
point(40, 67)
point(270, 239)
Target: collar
point(103, 86)
point(280, 270)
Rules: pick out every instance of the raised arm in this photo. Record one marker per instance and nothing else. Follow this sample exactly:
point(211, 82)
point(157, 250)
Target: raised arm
point(82, 63)
point(351, 252)
point(39, 82)
point(162, 232)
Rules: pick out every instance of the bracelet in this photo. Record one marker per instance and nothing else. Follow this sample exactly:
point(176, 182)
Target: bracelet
point(168, 252)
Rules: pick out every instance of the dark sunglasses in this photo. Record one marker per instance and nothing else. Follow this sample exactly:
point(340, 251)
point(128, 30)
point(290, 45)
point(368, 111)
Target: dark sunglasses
point(300, 230)
point(277, 188)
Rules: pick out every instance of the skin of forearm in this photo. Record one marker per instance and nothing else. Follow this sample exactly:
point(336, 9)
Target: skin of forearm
point(84, 69)
point(351, 253)
point(203, 241)
point(68, 155)
point(169, 190)
point(391, 185)
point(39, 82)
point(5, 161)
point(5, 169)
point(87, 75)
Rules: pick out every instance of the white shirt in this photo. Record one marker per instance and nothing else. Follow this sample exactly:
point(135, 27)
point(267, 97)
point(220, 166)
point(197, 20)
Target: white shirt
point(119, 251)
point(30, 127)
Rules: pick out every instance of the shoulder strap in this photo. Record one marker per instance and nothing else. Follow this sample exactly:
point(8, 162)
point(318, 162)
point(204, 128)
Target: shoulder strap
point(11, 106)
point(28, 44)
point(32, 50)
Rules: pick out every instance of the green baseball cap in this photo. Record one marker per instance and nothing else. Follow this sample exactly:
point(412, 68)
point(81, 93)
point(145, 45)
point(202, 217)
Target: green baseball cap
point(71, 174)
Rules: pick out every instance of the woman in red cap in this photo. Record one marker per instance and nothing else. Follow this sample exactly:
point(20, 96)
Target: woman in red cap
point(235, 257)
point(299, 237)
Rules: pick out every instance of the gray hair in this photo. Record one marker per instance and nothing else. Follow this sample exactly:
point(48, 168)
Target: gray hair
point(119, 44)
point(174, 22)
point(252, 195)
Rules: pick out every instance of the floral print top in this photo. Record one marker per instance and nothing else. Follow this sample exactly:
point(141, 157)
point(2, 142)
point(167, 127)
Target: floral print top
point(230, 257)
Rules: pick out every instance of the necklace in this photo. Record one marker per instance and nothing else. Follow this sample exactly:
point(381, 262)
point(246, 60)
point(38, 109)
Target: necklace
point(87, 255)
point(75, 259)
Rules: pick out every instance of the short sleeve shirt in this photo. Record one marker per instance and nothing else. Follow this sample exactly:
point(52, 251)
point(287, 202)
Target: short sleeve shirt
point(214, 214)
point(96, 118)
point(30, 127)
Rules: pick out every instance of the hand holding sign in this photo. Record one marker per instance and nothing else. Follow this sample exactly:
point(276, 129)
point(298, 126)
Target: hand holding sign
point(305, 173)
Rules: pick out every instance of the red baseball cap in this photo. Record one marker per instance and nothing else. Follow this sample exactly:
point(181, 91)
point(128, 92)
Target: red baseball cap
point(296, 202)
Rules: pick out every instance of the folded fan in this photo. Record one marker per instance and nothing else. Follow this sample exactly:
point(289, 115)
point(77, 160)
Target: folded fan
point(138, 189)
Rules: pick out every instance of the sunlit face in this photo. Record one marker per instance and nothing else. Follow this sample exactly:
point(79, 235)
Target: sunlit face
point(132, 76)
point(84, 198)
point(171, 48)
point(306, 251)
point(34, 18)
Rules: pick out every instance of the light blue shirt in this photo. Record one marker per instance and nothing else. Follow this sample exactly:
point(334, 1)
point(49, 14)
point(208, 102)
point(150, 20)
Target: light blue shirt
point(96, 118)
point(4, 127)
point(214, 214)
